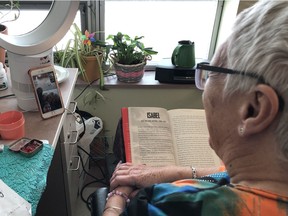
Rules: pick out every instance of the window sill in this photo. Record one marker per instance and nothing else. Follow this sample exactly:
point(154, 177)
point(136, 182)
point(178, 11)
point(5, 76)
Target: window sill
point(148, 81)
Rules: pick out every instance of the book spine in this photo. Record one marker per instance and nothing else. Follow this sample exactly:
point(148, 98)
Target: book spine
point(126, 134)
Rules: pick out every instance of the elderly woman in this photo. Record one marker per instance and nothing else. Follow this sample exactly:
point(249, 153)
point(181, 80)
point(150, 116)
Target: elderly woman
point(245, 98)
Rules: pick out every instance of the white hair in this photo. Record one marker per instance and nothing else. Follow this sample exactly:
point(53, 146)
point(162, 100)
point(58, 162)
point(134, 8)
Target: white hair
point(259, 44)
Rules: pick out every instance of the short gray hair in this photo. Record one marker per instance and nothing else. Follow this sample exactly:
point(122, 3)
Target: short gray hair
point(259, 44)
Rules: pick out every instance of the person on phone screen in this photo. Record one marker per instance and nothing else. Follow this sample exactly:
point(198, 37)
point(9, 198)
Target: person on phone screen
point(245, 98)
point(39, 91)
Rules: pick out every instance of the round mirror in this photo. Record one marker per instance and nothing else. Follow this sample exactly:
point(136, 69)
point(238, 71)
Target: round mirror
point(47, 34)
point(33, 48)
point(26, 18)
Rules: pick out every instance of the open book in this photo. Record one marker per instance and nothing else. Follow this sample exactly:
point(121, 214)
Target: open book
point(158, 137)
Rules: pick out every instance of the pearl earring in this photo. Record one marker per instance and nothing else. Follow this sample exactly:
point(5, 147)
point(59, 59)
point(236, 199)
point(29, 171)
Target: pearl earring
point(241, 130)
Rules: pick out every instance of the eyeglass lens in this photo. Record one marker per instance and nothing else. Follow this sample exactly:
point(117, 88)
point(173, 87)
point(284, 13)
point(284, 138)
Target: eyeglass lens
point(201, 77)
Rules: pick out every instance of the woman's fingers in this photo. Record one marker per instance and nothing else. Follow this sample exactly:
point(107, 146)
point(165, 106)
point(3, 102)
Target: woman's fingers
point(133, 175)
point(127, 174)
point(121, 180)
point(126, 169)
point(119, 173)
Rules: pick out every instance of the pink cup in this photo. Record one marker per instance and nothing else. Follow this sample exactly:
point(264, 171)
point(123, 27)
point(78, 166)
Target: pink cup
point(12, 125)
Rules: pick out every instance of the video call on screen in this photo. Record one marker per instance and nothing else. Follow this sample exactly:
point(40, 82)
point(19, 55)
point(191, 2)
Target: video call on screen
point(47, 92)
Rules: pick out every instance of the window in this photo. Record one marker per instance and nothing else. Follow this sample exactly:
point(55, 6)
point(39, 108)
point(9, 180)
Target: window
point(162, 22)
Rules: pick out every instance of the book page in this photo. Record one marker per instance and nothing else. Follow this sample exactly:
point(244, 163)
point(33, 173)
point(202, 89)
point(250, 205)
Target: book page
point(191, 137)
point(150, 136)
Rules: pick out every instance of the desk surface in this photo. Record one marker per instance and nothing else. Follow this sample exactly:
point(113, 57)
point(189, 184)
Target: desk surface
point(35, 126)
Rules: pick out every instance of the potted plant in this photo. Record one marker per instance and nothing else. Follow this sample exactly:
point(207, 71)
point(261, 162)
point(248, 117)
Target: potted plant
point(57, 56)
point(7, 15)
point(129, 56)
point(85, 53)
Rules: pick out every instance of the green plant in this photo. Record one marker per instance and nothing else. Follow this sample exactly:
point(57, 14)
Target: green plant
point(77, 48)
point(6, 9)
point(129, 51)
point(57, 55)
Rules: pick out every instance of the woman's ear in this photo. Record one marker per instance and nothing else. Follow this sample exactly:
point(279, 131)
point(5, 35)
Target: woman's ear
point(259, 110)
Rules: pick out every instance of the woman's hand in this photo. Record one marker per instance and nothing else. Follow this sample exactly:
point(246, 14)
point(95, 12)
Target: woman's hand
point(140, 176)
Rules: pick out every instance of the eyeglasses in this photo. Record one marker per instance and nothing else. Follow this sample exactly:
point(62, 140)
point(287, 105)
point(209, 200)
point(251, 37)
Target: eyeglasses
point(202, 74)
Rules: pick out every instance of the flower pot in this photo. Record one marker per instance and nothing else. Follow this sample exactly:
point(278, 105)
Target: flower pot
point(3, 30)
point(92, 68)
point(129, 73)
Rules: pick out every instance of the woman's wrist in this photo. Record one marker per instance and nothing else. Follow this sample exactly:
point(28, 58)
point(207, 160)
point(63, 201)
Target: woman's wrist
point(113, 209)
point(118, 193)
point(117, 200)
point(175, 173)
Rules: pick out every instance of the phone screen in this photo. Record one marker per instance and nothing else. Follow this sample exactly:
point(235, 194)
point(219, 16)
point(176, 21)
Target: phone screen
point(47, 92)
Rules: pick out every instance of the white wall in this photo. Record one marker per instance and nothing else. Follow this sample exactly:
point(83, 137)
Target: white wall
point(171, 96)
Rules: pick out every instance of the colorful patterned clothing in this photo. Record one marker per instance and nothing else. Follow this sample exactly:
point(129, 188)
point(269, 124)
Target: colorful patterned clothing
point(208, 196)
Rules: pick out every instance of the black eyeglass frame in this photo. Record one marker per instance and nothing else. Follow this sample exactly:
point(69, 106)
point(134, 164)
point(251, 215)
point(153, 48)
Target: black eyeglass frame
point(230, 71)
point(260, 78)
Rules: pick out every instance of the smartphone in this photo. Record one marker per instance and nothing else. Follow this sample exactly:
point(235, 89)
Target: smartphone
point(47, 92)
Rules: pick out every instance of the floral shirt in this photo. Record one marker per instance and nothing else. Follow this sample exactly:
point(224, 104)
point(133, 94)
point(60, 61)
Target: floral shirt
point(211, 196)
